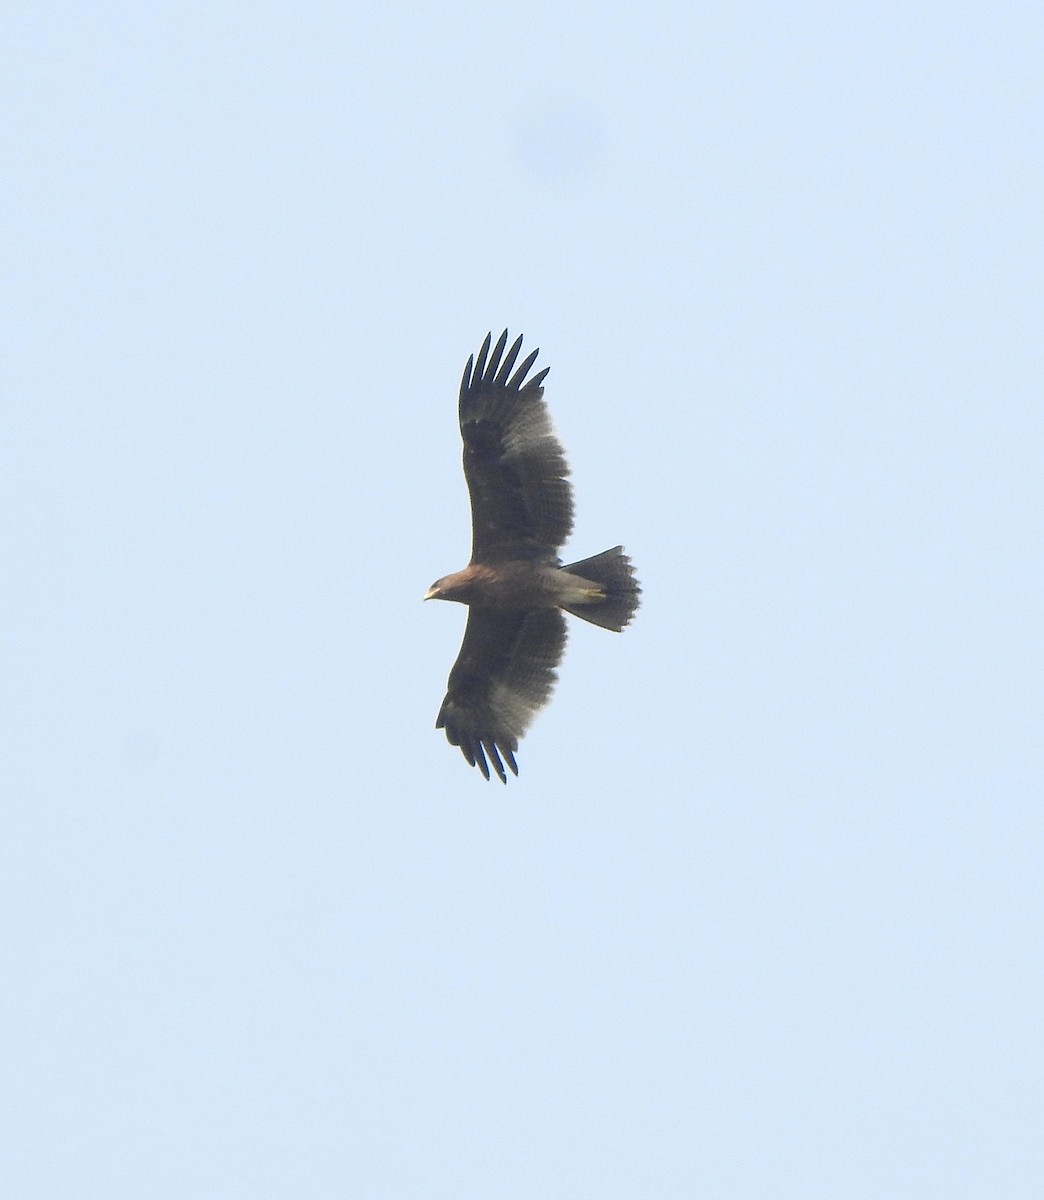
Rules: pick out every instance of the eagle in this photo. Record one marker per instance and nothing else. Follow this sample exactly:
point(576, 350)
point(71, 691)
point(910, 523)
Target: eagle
point(516, 586)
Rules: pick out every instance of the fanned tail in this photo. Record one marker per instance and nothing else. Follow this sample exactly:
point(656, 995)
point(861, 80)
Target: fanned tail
point(612, 572)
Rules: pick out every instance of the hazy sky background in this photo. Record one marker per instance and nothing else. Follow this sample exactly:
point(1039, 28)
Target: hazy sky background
point(763, 915)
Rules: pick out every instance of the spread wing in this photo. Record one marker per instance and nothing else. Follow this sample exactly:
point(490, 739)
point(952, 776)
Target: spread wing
point(503, 676)
point(521, 501)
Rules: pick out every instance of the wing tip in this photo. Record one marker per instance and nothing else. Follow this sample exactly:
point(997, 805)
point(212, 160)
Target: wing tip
point(491, 368)
point(538, 378)
point(490, 374)
point(497, 755)
point(480, 752)
point(465, 381)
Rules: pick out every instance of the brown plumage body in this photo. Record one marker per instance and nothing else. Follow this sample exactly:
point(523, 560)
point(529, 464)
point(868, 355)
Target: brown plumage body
point(515, 586)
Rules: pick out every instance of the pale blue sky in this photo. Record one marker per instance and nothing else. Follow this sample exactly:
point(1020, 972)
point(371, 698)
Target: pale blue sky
point(762, 916)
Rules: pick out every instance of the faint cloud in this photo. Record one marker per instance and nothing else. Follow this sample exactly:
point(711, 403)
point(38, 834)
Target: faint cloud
point(561, 142)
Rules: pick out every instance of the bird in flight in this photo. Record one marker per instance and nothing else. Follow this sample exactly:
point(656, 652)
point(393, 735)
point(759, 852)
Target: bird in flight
point(516, 586)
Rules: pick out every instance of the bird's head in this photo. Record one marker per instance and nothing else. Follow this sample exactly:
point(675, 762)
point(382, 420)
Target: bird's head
point(451, 587)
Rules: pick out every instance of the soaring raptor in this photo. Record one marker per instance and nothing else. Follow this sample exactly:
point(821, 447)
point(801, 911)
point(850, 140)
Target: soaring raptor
point(516, 586)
